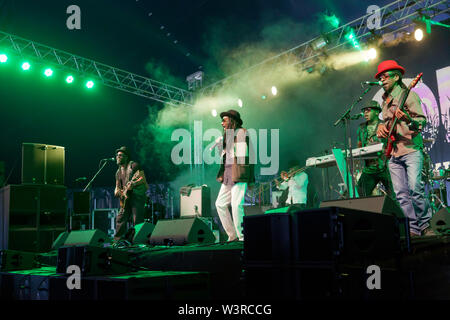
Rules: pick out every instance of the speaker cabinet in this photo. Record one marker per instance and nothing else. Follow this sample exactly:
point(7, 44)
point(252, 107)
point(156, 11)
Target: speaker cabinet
point(379, 204)
point(181, 232)
point(197, 203)
point(267, 237)
point(60, 240)
point(17, 260)
point(342, 234)
point(30, 209)
point(93, 260)
point(86, 238)
point(142, 233)
point(42, 164)
point(33, 239)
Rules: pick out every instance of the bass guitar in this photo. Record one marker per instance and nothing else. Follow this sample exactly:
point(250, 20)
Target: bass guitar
point(393, 122)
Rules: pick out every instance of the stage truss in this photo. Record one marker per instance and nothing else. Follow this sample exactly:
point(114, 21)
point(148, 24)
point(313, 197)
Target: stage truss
point(109, 76)
point(395, 16)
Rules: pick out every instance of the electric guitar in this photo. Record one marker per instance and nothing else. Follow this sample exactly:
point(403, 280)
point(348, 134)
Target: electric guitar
point(393, 122)
point(125, 192)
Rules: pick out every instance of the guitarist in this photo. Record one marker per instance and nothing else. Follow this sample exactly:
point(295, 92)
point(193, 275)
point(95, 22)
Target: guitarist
point(131, 186)
point(407, 157)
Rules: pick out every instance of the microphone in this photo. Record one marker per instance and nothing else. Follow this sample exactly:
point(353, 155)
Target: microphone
point(357, 116)
point(80, 179)
point(219, 141)
point(109, 159)
point(373, 83)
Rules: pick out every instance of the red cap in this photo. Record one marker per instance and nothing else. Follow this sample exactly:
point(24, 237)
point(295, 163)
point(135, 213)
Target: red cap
point(388, 65)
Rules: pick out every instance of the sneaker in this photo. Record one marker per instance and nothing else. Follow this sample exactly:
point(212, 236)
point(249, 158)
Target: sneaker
point(413, 235)
point(429, 232)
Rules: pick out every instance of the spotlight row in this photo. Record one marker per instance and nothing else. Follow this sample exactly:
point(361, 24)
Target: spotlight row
point(48, 72)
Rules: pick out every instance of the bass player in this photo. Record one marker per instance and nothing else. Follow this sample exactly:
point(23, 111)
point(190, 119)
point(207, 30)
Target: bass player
point(407, 156)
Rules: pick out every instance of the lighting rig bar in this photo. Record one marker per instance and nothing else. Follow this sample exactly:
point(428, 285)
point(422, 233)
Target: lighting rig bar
point(109, 76)
point(395, 16)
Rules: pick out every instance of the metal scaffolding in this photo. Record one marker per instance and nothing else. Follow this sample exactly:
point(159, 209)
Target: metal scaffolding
point(109, 76)
point(395, 17)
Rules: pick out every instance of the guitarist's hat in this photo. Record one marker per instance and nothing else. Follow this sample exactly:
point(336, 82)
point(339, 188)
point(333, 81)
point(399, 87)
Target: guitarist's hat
point(124, 150)
point(389, 65)
point(372, 105)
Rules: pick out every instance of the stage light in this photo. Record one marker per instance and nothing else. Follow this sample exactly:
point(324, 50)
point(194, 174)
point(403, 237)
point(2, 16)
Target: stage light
point(263, 97)
point(3, 58)
point(89, 84)
point(214, 112)
point(69, 79)
point(240, 103)
point(48, 72)
point(418, 34)
point(351, 38)
point(319, 43)
point(26, 66)
point(370, 54)
point(274, 90)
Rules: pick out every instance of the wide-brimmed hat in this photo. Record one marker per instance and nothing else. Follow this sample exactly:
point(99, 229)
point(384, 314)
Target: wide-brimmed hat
point(388, 65)
point(372, 105)
point(124, 150)
point(233, 114)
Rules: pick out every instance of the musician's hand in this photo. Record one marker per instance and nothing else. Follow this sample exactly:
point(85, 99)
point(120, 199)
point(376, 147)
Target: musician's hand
point(382, 131)
point(277, 183)
point(400, 115)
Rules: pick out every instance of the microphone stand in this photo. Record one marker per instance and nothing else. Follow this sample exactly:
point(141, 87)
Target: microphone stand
point(95, 176)
point(345, 119)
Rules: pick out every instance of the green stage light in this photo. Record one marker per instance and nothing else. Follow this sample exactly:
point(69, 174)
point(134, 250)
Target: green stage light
point(332, 20)
point(240, 103)
point(48, 72)
point(214, 112)
point(26, 66)
point(89, 84)
point(351, 37)
point(3, 58)
point(69, 79)
point(263, 97)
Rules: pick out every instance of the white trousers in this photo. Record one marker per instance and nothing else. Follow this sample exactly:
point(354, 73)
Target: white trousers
point(235, 195)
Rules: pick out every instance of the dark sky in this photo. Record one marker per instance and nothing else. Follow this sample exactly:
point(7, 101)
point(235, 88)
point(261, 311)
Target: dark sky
point(139, 36)
point(130, 33)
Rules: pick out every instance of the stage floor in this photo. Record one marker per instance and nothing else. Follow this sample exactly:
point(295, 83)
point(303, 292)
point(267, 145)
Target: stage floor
point(219, 271)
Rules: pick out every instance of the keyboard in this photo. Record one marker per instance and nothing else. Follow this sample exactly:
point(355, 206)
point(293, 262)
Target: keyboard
point(367, 152)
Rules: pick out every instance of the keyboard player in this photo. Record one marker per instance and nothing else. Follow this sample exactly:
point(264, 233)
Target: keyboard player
point(374, 170)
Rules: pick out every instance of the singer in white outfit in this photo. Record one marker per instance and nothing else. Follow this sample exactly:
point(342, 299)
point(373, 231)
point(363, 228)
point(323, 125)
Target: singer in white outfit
point(235, 174)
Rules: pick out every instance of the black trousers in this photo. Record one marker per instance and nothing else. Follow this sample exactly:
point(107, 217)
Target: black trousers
point(368, 181)
point(134, 211)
